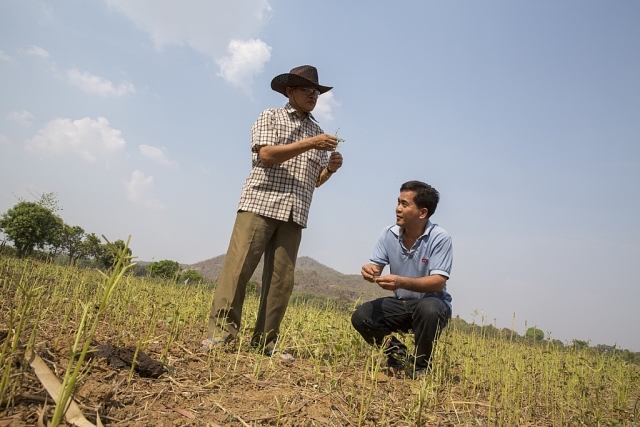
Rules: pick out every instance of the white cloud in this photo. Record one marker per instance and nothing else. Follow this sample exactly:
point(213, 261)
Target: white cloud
point(138, 190)
point(246, 59)
point(85, 137)
point(204, 25)
point(207, 26)
point(324, 107)
point(157, 155)
point(5, 57)
point(23, 118)
point(4, 140)
point(35, 51)
point(96, 85)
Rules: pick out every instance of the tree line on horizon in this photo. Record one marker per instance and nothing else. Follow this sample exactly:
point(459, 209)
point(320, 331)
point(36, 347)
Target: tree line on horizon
point(35, 230)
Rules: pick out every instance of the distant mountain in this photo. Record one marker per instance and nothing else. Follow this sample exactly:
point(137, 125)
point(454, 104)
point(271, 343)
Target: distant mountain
point(310, 277)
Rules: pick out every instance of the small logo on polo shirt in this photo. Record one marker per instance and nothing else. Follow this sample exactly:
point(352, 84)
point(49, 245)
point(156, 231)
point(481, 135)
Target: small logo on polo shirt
point(425, 260)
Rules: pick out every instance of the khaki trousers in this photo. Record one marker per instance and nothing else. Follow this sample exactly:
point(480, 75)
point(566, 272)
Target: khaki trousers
point(254, 235)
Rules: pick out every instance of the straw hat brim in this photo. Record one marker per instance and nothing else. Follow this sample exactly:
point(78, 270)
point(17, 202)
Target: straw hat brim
point(281, 82)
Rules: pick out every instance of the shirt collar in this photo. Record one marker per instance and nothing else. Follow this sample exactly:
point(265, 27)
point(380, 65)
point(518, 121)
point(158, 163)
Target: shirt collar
point(289, 108)
point(397, 230)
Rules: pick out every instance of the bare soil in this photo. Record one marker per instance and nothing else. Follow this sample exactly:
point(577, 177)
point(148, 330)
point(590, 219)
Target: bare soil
point(233, 386)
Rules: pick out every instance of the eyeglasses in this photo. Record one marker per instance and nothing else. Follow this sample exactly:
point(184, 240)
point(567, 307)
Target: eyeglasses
point(309, 91)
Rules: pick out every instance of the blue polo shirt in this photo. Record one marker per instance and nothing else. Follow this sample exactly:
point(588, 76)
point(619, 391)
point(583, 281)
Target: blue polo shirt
point(432, 253)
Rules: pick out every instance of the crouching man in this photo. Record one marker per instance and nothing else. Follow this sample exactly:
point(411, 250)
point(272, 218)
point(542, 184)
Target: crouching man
point(419, 255)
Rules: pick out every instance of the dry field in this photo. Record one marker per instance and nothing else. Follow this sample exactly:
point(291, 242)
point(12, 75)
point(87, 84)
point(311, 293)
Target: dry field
point(336, 380)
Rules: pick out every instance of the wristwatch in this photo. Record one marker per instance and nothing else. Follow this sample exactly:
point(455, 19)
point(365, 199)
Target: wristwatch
point(329, 170)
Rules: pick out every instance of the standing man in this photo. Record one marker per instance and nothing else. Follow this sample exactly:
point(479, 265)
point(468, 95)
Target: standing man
point(289, 160)
point(419, 256)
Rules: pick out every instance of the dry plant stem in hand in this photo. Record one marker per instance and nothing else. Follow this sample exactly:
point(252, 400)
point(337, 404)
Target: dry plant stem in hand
point(369, 272)
point(339, 140)
point(324, 142)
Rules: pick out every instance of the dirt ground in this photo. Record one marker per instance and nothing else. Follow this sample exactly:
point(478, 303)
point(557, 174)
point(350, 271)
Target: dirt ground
point(234, 386)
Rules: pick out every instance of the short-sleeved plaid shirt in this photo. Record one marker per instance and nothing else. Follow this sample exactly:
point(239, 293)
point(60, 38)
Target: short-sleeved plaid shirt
point(285, 189)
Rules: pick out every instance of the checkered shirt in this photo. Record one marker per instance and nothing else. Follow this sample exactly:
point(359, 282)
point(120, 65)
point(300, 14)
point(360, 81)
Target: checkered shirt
point(285, 189)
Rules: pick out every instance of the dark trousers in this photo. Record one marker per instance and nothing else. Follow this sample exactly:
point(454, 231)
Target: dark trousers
point(376, 320)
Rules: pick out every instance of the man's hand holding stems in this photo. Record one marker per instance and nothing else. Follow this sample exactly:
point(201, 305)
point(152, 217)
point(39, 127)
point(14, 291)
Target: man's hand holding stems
point(371, 273)
point(391, 282)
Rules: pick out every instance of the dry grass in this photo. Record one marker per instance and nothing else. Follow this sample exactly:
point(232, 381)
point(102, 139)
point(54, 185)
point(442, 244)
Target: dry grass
point(336, 380)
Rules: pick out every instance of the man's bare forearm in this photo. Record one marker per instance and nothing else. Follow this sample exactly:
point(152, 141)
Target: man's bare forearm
point(324, 177)
point(433, 283)
point(273, 154)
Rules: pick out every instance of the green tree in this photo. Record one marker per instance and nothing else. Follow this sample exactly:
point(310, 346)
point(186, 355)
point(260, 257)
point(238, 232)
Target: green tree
point(110, 253)
point(534, 334)
point(92, 247)
point(165, 269)
point(579, 344)
point(48, 201)
point(606, 349)
point(71, 241)
point(29, 225)
point(630, 356)
point(140, 270)
point(191, 276)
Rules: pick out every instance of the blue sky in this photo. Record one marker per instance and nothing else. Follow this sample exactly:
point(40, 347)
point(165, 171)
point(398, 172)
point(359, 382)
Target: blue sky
point(524, 115)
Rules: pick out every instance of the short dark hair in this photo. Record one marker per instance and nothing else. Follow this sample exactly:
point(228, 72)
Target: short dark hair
point(426, 196)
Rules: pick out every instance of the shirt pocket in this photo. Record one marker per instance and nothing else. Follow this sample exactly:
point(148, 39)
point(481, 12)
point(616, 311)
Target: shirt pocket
point(287, 131)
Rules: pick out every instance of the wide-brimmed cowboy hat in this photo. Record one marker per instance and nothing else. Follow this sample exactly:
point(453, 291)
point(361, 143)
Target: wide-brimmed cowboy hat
point(305, 76)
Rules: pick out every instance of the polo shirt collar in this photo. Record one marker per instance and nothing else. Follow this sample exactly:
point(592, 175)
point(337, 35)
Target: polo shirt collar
point(397, 230)
point(289, 109)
